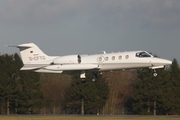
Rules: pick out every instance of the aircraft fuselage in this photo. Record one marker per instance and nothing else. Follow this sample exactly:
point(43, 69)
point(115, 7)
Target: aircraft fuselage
point(36, 60)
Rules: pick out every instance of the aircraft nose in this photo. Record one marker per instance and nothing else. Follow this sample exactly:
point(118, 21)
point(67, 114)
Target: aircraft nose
point(166, 62)
point(169, 62)
point(159, 61)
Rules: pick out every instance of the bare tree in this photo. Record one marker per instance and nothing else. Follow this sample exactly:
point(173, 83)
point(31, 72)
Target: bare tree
point(54, 88)
point(120, 85)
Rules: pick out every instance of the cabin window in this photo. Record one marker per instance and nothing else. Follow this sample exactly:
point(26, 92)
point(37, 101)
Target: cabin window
point(113, 57)
point(142, 54)
point(127, 56)
point(120, 57)
point(100, 59)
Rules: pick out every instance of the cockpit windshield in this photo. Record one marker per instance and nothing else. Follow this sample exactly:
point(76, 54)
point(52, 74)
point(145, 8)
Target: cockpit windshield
point(143, 54)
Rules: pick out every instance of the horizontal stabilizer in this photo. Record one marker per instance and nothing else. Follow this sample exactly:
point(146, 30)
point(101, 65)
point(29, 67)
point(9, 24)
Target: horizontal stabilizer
point(28, 45)
point(32, 66)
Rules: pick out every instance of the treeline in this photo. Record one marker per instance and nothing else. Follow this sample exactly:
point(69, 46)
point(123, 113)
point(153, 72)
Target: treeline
point(118, 92)
point(157, 95)
point(19, 90)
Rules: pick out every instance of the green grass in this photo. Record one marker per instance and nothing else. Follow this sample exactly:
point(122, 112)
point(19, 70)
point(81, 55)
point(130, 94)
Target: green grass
point(81, 118)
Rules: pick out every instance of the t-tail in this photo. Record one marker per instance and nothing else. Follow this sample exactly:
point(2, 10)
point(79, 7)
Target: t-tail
point(33, 57)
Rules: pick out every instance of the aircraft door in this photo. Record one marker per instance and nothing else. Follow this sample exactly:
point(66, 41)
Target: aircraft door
point(79, 59)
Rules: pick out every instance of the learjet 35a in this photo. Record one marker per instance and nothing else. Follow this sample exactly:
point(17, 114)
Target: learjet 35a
point(36, 60)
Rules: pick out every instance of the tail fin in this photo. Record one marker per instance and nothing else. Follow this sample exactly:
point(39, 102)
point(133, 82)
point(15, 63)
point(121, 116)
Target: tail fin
point(32, 54)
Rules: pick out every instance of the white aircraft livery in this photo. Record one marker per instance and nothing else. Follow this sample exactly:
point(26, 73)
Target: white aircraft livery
point(36, 60)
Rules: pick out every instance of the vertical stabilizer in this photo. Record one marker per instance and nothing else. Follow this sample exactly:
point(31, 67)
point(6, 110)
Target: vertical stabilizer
point(32, 54)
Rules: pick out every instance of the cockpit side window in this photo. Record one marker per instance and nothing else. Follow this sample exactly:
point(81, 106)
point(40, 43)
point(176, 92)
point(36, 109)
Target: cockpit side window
point(142, 54)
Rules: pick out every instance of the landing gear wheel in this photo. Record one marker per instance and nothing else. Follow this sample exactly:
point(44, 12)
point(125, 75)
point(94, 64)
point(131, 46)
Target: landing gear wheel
point(94, 79)
point(95, 76)
point(155, 74)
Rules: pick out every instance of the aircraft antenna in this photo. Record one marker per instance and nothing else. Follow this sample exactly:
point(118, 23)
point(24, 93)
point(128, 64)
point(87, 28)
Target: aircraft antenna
point(104, 52)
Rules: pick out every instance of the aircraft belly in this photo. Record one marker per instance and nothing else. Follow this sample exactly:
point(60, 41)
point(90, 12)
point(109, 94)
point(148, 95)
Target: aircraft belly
point(116, 66)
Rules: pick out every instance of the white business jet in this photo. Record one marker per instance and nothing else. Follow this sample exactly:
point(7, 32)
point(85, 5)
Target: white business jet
point(34, 59)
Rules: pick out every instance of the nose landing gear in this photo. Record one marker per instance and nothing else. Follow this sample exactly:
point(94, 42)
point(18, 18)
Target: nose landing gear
point(155, 73)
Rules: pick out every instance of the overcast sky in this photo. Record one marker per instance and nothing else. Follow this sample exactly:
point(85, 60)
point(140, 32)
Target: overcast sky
point(61, 27)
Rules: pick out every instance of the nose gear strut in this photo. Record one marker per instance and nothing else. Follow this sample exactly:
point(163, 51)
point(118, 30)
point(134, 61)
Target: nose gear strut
point(155, 73)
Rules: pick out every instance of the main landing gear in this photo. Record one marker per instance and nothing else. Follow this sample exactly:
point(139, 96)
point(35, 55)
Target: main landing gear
point(83, 76)
point(95, 76)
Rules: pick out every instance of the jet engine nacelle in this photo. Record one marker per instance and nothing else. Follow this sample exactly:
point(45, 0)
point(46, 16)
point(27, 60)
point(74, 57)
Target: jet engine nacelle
point(70, 59)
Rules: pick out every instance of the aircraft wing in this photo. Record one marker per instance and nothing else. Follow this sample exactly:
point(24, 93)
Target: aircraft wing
point(60, 68)
point(65, 67)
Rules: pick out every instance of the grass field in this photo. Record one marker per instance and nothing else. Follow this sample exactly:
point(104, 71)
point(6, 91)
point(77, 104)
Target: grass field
point(83, 118)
